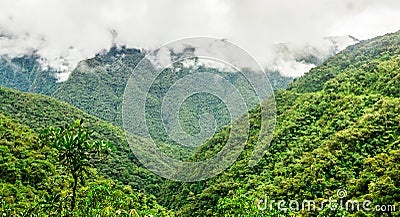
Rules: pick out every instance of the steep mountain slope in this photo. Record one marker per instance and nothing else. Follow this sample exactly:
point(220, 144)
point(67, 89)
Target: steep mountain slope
point(32, 185)
point(360, 61)
point(338, 127)
point(38, 112)
point(294, 59)
point(278, 81)
point(26, 74)
point(97, 85)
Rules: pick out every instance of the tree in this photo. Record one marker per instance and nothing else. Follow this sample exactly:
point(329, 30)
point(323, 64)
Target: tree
point(77, 151)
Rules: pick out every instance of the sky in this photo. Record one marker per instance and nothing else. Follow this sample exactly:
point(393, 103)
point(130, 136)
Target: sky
point(65, 32)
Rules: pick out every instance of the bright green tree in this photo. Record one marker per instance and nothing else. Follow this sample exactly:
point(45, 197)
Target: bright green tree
point(77, 151)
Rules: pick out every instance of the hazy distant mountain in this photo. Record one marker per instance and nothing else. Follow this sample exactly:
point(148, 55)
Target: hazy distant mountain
point(26, 74)
point(30, 72)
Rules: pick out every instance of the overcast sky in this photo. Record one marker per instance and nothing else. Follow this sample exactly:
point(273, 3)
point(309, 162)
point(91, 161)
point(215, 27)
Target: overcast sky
point(78, 29)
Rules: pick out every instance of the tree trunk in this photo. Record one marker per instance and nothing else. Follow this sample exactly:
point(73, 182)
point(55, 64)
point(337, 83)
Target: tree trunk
point(73, 202)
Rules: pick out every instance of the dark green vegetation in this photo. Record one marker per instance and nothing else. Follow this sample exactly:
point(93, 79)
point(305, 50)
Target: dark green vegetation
point(39, 112)
point(337, 128)
point(358, 63)
point(77, 152)
point(33, 182)
point(278, 81)
point(26, 74)
point(97, 86)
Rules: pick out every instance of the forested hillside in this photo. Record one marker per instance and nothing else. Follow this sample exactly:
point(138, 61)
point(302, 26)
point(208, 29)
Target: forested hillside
point(32, 183)
point(360, 63)
point(26, 74)
point(39, 112)
point(337, 128)
point(97, 87)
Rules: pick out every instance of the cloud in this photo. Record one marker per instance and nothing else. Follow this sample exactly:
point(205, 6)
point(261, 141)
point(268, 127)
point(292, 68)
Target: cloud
point(65, 32)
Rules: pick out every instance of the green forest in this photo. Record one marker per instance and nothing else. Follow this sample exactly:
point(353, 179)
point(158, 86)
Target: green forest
point(64, 151)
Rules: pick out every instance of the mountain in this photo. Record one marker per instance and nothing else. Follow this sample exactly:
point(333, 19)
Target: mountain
point(25, 73)
point(293, 59)
point(362, 63)
point(337, 134)
point(109, 69)
point(277, 80)
point(39, 112)
point(337, 137)
point(97, 87)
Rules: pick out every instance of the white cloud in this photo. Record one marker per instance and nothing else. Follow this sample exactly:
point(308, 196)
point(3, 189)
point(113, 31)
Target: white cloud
point(74, 30)
point(371, 22)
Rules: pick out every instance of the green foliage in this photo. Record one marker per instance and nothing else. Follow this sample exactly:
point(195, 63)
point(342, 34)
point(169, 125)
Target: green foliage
point(33, 182)
point(97, 85)
point(278, 81)
point(75, 146)
point(37, 111)
point(337, 128)
point(358, 63)
point(242, 203)
point(316, 151)
point(76, 150)
point(26, 74)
